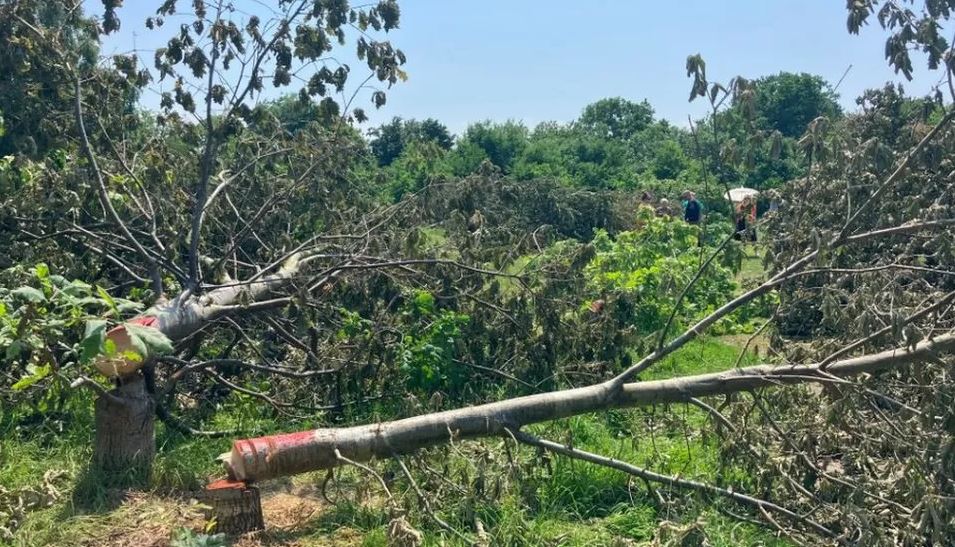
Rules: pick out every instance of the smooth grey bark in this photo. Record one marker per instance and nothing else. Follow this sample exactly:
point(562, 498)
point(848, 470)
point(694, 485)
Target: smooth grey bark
point(186, 314)
point(279, 455)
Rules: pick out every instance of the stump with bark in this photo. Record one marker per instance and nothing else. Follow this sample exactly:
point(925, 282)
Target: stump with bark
point(236, 507)
point(125, 442)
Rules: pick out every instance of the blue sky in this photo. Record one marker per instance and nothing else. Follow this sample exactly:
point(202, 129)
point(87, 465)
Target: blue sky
point(545, 60)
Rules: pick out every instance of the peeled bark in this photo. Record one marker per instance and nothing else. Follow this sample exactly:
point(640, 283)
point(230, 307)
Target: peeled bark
point(236, 507)
point(278, 455)
point(125, 443)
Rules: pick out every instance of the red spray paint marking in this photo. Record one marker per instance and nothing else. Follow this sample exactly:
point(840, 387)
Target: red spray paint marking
point(144, 320)
point(118, 335)
point(257, 453)
point(226, 484)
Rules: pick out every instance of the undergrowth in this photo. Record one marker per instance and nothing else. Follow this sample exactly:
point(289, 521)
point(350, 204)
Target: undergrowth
point(518, 496)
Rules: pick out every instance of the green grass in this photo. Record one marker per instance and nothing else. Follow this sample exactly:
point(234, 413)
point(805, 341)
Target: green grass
point(560, 502)
point(752, 269)
point(699, 356)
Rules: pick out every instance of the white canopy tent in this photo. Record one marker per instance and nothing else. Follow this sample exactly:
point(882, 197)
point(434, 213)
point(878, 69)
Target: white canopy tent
point(737, 195)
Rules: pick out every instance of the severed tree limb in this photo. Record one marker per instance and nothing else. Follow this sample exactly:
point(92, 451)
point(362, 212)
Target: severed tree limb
point(103, 194)
point(647, 475)
point(278, 455)
point(899, 170)
point(815, 467)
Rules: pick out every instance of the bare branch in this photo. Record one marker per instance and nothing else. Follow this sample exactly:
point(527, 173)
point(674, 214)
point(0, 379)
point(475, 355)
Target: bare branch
point(651, 476)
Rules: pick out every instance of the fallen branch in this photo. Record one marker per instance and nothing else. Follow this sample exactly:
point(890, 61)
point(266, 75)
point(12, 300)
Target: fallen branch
point(647, 475)
point(279, 455)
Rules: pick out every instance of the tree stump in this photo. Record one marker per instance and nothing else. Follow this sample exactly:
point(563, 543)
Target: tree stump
point(125, 424)
point(236, 507)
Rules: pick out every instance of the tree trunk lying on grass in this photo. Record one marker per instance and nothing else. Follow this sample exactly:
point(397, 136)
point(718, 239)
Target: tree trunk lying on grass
point(279, 455)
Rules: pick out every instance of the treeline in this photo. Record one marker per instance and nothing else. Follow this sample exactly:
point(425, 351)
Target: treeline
point(617, 143)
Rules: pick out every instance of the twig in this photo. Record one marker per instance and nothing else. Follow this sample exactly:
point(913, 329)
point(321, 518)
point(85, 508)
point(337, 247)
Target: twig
point(366, 469)
point(651, 476)
point(89, 383)
point(427, 504)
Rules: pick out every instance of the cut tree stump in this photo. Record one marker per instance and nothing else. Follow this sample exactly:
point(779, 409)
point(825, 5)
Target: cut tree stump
point(236, 507)
point(125, 442)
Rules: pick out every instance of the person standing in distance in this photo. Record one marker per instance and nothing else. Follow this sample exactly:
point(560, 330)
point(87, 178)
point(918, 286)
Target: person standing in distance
point(691, 208)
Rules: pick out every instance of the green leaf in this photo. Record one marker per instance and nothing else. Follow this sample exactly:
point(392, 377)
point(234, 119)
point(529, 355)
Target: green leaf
point(77, 288)
point(132, 356)
point(37, 374)
point(15, 349)
point(109, 348)
point(42, 271)
point(92, 340)
point(148, 339)
point(107, 298)
point(29, 294)
point(128, 305)
point(424, 301)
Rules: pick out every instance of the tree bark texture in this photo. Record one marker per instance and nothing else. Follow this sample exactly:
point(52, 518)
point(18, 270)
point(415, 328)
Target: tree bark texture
point(279, 455)
point(125, 443)
point(236, 507)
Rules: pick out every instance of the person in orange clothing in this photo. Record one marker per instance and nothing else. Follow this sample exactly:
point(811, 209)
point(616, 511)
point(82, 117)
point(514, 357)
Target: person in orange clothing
point(745, 217)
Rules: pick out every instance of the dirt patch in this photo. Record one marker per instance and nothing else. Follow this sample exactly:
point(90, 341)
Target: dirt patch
point(289, 511)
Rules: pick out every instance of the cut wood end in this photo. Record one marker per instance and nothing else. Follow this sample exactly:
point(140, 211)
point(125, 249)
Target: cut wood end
point(117, 367)
point(226, 484)
point(234, 465)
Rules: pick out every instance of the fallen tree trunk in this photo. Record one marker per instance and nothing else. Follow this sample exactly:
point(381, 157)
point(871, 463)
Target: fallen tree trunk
point(279, 455)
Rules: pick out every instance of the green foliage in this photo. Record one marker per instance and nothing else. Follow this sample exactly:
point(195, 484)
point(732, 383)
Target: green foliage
point(389, 141)
point(616, 118)
point(502, 143)
point(34, 92)
point(427, 352)
point(787, 102)
point(643, 271)
point(420, 163)
point(575, 158)
point(669, 161)
point(41, 321)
